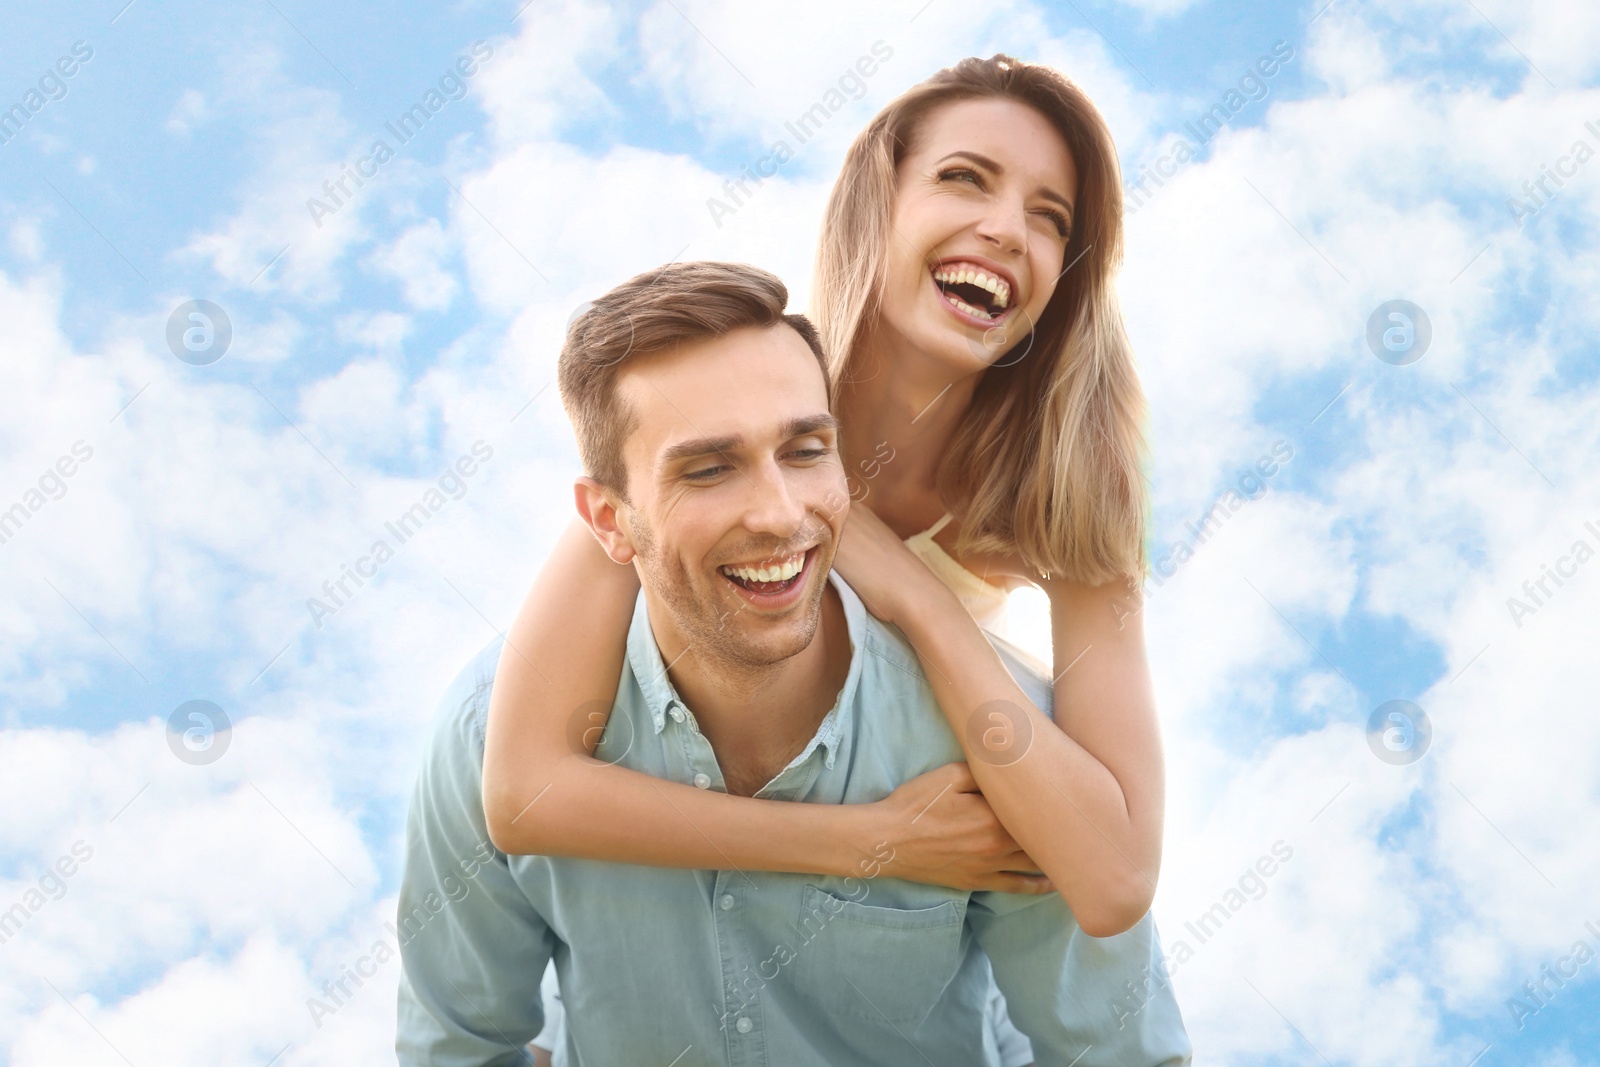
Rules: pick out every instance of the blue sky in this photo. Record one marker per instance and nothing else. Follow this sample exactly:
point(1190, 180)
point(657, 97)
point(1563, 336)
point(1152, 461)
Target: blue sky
point(1384, 161)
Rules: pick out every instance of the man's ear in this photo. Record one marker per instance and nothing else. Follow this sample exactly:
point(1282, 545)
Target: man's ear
point(598, 506)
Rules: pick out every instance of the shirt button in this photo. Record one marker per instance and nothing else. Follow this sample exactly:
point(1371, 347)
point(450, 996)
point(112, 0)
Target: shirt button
point(702, 781)
point(726, 902)
point(744, 1025)
point(676, 713)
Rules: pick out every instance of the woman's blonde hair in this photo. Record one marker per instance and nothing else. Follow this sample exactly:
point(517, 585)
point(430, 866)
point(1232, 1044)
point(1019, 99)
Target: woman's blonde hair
point(1047, 460)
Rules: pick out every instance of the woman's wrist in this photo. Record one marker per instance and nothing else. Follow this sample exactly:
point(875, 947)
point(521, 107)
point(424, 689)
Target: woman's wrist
point(921, 600)
point(854, 850)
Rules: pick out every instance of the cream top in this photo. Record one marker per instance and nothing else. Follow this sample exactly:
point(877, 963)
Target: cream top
point(984, 601)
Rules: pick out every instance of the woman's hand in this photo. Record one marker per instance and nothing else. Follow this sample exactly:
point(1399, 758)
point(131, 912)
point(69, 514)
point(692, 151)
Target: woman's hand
point(942, 832)
point(880, 568)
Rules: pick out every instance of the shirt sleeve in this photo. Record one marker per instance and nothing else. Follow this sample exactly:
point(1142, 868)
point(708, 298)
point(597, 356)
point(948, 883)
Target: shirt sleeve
point(473, 948)
point(1088, 1001)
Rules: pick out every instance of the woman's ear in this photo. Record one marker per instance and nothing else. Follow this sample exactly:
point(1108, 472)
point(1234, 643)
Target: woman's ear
point(599, 508)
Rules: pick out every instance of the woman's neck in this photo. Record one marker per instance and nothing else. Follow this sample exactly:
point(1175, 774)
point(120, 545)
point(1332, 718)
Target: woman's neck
point(899, 405)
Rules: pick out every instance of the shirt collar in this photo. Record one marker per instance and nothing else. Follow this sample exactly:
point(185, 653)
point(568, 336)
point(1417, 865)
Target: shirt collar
point(650, 672)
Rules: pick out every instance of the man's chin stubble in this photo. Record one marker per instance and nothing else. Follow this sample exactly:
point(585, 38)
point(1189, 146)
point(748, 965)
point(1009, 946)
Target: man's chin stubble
point(740, 638)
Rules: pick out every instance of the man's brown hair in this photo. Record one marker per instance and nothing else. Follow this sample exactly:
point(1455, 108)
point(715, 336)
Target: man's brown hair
point(648, 313)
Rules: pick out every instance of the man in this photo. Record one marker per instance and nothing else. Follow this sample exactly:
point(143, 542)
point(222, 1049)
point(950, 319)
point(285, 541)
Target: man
point(796, 693)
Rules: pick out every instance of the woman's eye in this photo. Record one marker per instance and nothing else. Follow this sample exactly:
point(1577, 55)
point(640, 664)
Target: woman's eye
point(962, 174)
point(1060, 221)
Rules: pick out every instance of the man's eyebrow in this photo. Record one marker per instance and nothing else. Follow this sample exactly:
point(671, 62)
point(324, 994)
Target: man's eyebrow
point(710, 446)
point(984, 161)
point(700, 446)
point(805, 424)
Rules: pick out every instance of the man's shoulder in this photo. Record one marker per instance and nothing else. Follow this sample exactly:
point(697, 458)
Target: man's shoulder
point(463, 710)
point(882, 643)
point(885, 643)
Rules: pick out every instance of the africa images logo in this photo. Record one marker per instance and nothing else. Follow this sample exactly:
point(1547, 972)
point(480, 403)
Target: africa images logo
point(1399, 332)
point(1399, 732)
point(198, 732)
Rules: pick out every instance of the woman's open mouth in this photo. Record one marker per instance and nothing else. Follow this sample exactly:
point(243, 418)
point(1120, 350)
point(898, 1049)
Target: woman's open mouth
point(770, 583)
point(979, 295)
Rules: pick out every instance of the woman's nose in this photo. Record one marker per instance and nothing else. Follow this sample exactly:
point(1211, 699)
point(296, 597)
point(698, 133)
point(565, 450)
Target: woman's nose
point(1004, 226)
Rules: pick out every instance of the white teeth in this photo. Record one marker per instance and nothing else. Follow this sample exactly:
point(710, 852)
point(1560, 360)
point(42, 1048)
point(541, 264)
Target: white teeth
point(968, 308)
point(780, 573)
point(973, 276)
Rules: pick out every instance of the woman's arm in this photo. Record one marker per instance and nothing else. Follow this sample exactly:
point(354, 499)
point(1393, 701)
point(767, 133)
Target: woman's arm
point(1083, 795)
point(543, 792)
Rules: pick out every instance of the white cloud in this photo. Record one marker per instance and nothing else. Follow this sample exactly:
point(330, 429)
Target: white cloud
point(417, 260)
point(26, 240)
point(302, 141)
point(199, 528)
point(234, 1011)
point(1162, 8)
point(1434, 514)
point(191, 110)
point(204, 521)
point(747, 74)
point(539, 81)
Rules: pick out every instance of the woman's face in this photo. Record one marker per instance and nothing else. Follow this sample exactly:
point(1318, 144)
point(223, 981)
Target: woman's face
point(983, 209)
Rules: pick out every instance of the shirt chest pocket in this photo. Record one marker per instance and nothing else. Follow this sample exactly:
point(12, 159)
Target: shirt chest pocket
point(877, 964)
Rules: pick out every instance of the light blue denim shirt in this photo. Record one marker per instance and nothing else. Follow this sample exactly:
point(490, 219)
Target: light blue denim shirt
point(689, 967)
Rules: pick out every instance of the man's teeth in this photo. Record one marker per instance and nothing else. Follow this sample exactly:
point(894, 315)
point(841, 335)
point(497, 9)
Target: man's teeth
point(963, 274)
point(780, 573)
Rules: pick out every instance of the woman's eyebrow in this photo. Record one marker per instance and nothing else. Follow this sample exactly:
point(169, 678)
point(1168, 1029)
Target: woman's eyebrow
point(977, 157)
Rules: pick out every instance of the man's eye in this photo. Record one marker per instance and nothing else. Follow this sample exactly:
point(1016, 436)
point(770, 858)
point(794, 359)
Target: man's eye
point(810, 453)
point(705, 474)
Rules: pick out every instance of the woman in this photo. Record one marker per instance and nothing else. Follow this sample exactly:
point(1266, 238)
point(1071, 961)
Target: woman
point(993, 418)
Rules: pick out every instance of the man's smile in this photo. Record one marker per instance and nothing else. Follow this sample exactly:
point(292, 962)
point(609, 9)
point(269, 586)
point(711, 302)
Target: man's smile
point(770, 582)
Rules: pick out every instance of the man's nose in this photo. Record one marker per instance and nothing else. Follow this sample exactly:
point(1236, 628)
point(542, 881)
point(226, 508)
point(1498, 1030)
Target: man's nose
point(772, 506)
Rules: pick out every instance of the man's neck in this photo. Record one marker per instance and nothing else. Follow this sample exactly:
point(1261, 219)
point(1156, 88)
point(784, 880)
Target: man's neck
point(757, 719)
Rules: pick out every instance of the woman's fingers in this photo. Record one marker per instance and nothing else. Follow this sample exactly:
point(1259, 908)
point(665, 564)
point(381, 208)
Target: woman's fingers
point(1011, 882)
point(1019, 862)
point(950, 778)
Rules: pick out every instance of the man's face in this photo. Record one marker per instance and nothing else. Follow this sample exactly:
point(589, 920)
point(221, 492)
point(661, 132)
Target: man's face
point(738, 493)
